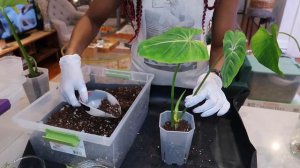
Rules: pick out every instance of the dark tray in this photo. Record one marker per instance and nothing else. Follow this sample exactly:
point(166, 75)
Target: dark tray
point(218, 142)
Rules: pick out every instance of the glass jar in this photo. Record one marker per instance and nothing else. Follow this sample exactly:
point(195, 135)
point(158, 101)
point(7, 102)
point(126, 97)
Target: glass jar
point(26, 162)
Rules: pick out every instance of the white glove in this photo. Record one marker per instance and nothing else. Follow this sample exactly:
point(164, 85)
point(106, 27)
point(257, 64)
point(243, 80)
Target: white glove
point(72, 79)
point(212, 92)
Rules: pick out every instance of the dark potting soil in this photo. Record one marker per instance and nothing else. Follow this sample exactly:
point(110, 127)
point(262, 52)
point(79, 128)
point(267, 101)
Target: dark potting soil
point(75, 118)
point(109, 108)
point(30, 76)
point(183, 126)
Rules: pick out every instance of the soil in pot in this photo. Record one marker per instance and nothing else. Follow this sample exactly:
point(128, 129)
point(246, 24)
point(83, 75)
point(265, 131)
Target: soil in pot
point(75, 118)
point(183, 126)
point(31, 76)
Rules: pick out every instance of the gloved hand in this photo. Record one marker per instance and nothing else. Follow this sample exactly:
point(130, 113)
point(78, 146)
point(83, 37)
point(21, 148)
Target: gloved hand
point(72, 79)
point(212, 92)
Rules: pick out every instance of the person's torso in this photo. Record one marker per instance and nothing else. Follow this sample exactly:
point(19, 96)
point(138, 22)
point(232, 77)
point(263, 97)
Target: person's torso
point(157, 17)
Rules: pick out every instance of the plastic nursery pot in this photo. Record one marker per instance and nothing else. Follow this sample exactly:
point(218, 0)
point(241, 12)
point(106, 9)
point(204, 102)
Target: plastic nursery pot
point(37, 86)
point(26, 162)
point(175, 145)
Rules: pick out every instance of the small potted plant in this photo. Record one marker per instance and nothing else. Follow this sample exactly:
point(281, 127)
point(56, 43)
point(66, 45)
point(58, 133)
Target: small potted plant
point(176, 127)
point(179, 46)
point(37, 79)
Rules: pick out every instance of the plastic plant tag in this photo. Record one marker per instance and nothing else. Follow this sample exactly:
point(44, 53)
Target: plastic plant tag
point(78, 151)
point(61, 137)
point(63, 142)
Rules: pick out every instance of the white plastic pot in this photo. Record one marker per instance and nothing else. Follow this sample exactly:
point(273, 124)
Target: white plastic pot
point(175, 145)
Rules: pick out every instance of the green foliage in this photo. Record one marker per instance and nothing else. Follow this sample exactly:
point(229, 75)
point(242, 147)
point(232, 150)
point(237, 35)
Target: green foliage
point(177, 45)
point(265, 48)
point(234, 48)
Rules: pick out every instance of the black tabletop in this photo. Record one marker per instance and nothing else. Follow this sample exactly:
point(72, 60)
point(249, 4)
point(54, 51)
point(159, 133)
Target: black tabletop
point(218, 142)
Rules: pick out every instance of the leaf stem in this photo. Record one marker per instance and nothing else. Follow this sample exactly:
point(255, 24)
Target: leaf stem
point(202, 82)
point(292, 38)
point(172, 95)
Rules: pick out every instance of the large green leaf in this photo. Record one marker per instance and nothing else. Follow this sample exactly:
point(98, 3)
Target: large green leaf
point(265, 48)
point(177, 45)
point(234, 48)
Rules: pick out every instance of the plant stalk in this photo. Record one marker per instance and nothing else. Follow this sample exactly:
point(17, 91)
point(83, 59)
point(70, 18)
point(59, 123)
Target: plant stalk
point(202, 82)
point(172, 96)
point(292, 38)
point(32, 72)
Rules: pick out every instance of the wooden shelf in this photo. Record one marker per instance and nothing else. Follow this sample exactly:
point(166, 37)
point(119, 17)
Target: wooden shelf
point(45, 53)
point(39, 44)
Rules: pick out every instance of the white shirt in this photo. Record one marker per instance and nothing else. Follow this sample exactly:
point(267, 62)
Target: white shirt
point(157, 17)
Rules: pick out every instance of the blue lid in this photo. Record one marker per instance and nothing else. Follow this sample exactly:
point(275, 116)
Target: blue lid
point(286, 65)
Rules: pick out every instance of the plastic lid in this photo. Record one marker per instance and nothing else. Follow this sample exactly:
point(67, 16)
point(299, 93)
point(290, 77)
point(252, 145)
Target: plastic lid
point(11, 70)
point(286, 65)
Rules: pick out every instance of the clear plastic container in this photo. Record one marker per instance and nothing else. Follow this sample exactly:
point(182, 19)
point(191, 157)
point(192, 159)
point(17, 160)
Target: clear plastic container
point(11, 77)
point(175, 145)
point(26, 162)
point(111, 150)
point(267, 86)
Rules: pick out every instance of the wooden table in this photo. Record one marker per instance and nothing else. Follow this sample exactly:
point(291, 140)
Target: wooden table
point(117, 58)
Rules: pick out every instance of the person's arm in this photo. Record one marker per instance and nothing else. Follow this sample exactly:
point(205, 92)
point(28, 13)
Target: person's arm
point(211, 91)
point(224, 19)
point(83, 33)
point(88, 26)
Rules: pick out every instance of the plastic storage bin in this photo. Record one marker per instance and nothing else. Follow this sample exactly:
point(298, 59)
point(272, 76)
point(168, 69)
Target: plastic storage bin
point(111, 150)
point(267, 86)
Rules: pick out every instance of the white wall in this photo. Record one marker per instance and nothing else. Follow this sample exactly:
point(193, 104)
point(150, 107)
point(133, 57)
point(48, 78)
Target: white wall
point(290, 23)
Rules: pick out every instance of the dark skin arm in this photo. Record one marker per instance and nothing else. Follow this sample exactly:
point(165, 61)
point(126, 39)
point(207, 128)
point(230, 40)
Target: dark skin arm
point(88, 26)
point(224, 19)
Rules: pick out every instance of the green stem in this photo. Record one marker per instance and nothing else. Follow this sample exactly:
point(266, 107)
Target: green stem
point(32, 72)
point(197, 90)
point(292, 38)
point(202, 82)
point(172, 95)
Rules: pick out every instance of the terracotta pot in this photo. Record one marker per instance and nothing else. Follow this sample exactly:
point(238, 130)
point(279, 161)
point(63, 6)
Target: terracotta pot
point(37, 86)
